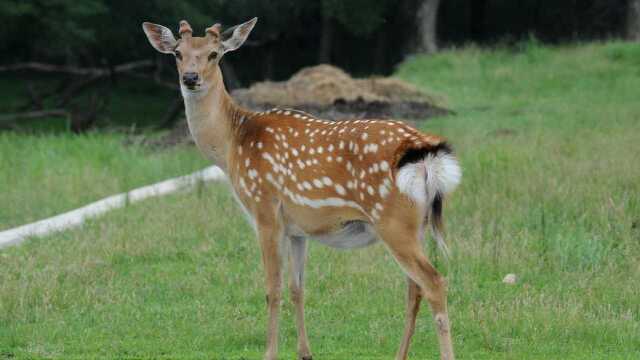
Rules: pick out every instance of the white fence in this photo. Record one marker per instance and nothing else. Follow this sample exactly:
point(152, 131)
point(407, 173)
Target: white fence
point(78, 216)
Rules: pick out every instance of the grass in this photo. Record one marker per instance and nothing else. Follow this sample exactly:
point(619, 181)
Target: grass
point(548, 140)
point(49, 174)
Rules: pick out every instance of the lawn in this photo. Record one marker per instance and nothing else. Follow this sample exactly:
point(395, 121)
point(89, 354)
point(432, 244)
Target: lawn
point(549, 144)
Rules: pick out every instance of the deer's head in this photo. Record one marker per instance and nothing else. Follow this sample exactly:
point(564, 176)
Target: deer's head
point(197, 57)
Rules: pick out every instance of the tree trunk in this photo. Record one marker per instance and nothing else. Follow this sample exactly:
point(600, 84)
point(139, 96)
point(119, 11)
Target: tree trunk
point(427, 18)
point(633, 20)
point(326, 40)
point(269, 63)
point(43, 67)
point(478, 8)
point(34, 115)
point(379, 54)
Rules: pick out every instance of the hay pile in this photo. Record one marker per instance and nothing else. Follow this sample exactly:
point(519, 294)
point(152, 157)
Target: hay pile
point(319, 88)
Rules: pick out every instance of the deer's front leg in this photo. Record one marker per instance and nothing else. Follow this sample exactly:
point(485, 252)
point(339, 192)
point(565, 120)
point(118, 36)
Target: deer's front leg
point(297, 259)
point(270, 232)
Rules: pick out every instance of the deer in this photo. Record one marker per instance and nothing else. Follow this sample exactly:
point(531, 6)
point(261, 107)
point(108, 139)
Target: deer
point(347, 184)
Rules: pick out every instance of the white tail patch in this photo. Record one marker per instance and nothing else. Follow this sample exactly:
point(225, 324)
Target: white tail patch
point(443, 173)
point(437, 173)
point(411, 179)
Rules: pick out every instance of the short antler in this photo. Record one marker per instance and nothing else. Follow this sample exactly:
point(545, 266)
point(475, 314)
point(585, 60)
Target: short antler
point(214, 30)
point(185, 29)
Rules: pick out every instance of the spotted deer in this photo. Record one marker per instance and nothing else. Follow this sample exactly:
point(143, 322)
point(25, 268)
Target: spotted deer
point(346, 184)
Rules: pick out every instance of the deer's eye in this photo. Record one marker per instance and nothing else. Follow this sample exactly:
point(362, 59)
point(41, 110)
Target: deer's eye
point(178, 54)
point(213, 55)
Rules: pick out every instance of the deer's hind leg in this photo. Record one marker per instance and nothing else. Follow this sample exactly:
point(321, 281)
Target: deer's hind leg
point(402, 234)
point(414, 298)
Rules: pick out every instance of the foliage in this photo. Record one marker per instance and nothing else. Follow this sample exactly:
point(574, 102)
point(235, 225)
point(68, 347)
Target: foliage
point(54, 28)
point(550, 192)
point(89, 31)
point(107, 32)
point(360, 17)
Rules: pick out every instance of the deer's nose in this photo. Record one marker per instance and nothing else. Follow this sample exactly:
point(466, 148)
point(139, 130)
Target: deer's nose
point(190, 79)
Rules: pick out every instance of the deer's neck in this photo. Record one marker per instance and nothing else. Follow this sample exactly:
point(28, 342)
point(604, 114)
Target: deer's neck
point(212, 117)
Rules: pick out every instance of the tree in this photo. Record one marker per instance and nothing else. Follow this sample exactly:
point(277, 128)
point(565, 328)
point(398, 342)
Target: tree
point(326, 37)
point(478, 19)
point(53, 29)
point(427, 16)
point(633, 20)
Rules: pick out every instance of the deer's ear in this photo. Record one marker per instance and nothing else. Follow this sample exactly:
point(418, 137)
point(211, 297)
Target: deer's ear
point(234, 37)
point(160, 37)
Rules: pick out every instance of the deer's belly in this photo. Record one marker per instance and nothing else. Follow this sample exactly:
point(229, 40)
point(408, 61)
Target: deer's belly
point(350, 235)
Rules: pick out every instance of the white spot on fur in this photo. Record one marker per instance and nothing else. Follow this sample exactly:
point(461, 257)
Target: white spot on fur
point(383, 190)
point(384, 166)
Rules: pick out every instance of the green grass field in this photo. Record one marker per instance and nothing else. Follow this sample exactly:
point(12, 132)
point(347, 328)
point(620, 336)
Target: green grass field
point(550, 148)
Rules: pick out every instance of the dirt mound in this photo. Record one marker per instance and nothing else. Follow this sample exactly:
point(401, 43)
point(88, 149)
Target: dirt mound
point(320, 87)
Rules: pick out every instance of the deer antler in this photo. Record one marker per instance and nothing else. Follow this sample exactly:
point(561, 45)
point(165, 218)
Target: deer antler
point(185, 29)
point(214, 31)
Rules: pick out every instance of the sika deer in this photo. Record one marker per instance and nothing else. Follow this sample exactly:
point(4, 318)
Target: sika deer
point(346, 183)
